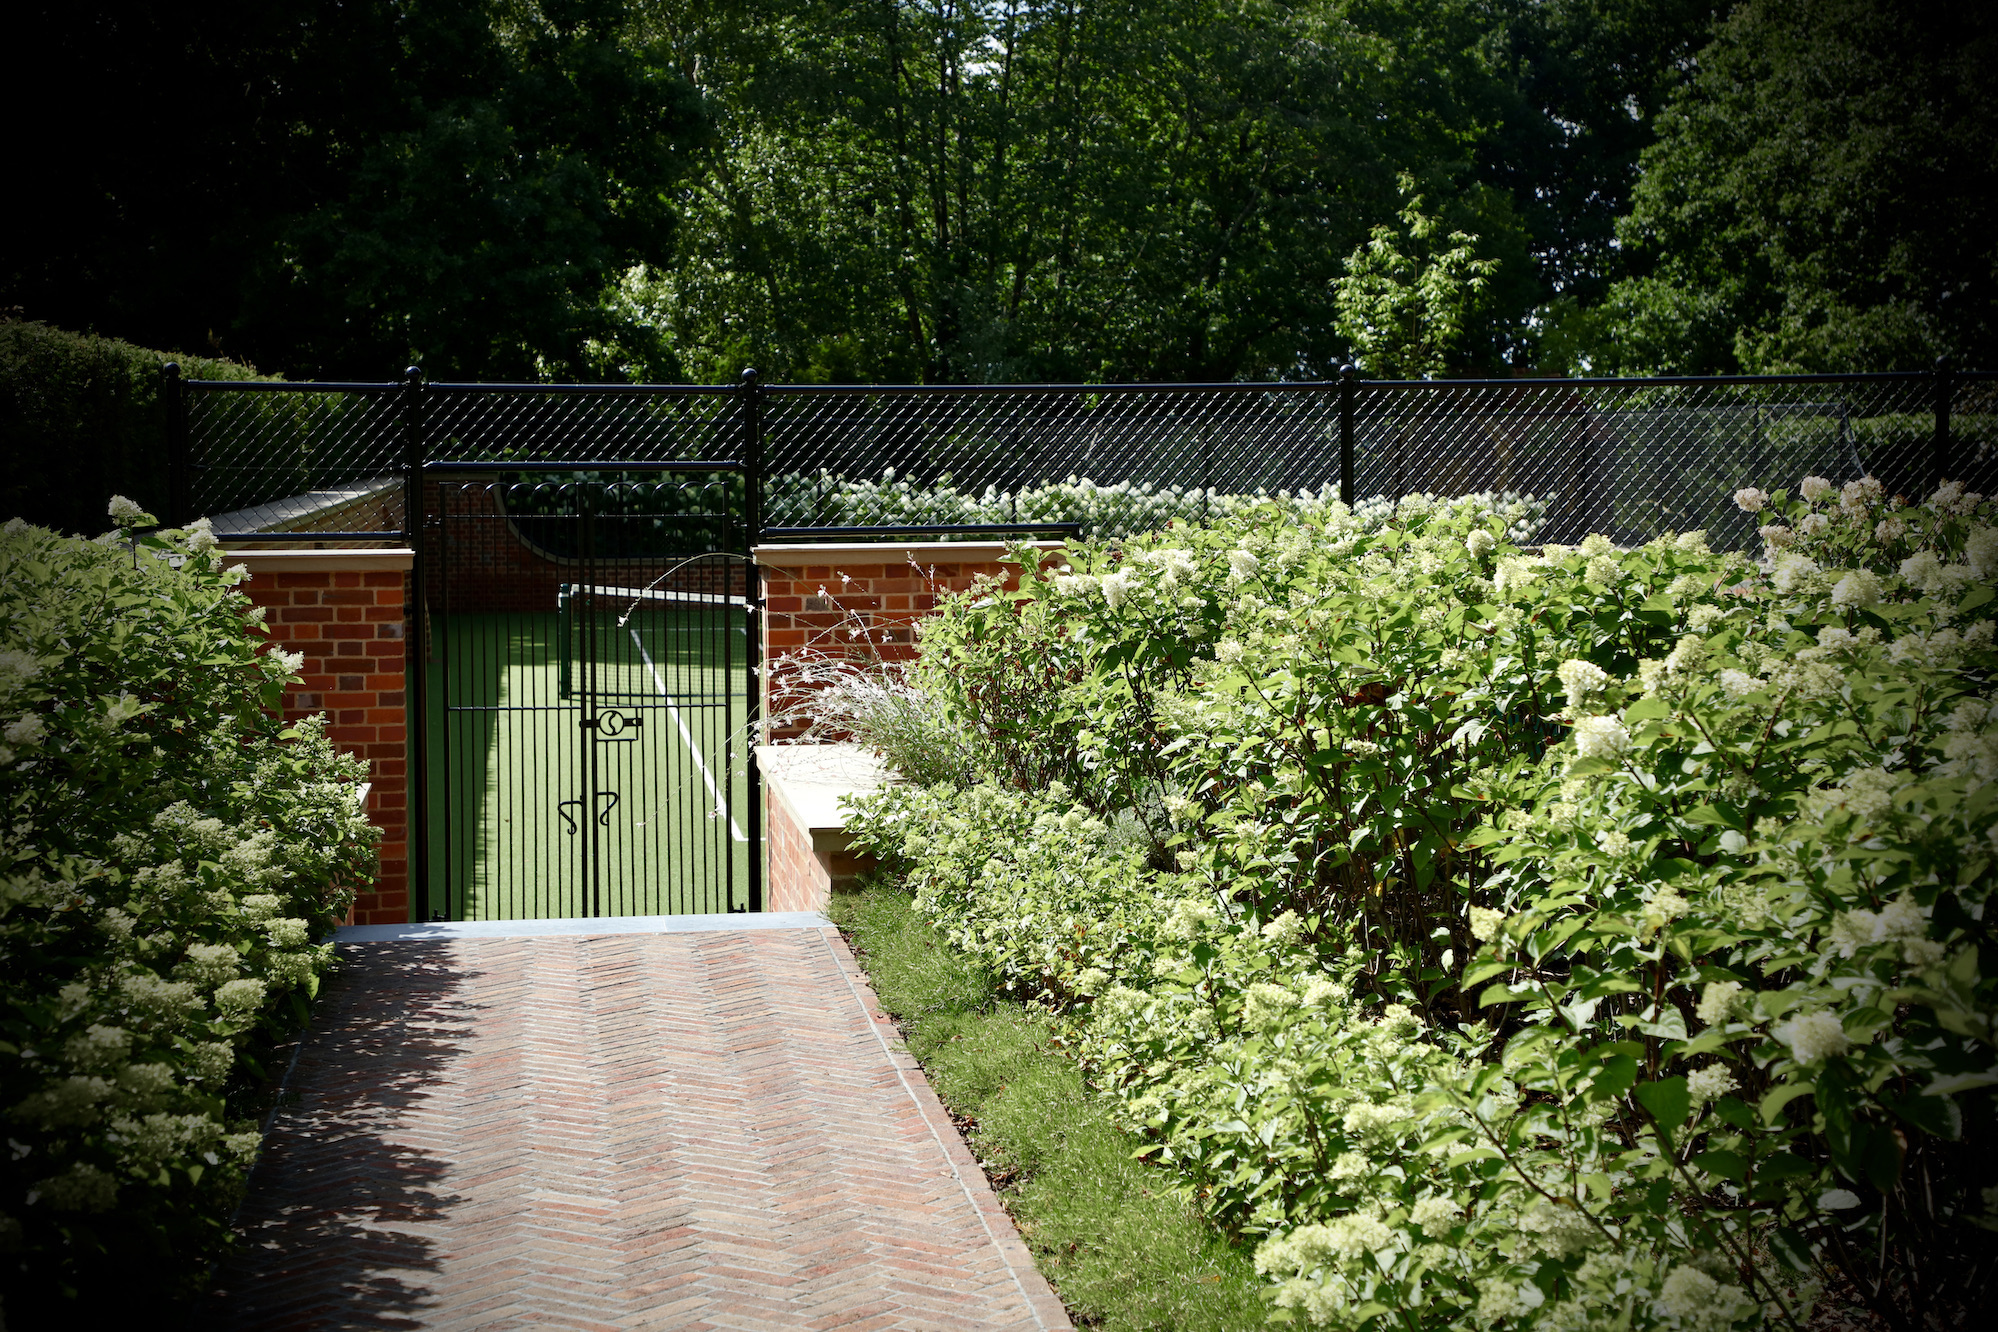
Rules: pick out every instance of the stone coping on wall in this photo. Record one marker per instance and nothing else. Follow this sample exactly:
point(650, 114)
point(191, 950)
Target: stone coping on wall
point(804, 554)
point(376, 560)
point(811, 780)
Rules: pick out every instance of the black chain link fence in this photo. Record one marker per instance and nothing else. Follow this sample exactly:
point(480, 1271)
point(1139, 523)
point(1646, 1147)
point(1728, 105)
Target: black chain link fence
point(1626, 458)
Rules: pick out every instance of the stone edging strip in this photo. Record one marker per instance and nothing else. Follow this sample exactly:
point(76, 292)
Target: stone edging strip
point(582, 926)
point(1046, 1306)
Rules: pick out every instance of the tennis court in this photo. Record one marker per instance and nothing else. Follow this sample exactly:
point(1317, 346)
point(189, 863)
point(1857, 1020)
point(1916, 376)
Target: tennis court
point(590, 760)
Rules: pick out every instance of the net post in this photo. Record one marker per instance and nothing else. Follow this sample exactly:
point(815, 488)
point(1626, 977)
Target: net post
point(1939, 446)
point(752, 638)
point(414, 516)
point(1346, 388)
point(173, 400)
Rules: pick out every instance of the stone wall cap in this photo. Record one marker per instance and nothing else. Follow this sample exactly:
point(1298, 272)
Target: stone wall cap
point(321, 561)
point(811, 780)
point(798, 554)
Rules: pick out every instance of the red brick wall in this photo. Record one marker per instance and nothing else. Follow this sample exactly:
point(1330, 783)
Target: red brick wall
point(795, 878)
point(816, 597)
point(480, 560)
point(346, 612)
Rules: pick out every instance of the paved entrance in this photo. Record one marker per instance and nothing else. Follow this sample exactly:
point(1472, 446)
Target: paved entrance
point(691, 1123)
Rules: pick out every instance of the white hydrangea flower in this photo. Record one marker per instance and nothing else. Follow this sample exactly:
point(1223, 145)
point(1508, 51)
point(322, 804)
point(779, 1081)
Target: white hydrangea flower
point(1710, 1083)
point(1285, 929)
point(1693, 543)
point(1813, 1036)
point(1889, 530)
point(1601, 737)
point(1486, 923)
point(1860, 587)
point(240, 997)
point(1792, 571)
point(1704, 617)
point(1243, 564)
point(1813, 525)
point(123, 511)
point(1776, 536)
point(1434, 1215)
point(1073, 585)
point(1700, 1303)
point(1603, 571)
point(26, 730)
point(1739, 684)
point(1321, 991)
point(1814, 488)
point(1613, 843)
point(1581, 679)
point(1687, 656)
point(1116, 589)
point(1480, 543)
point(1750, 500)
point(1980, 553)
point(1858, 494)
point(1717, 1001)
point(1666, 905)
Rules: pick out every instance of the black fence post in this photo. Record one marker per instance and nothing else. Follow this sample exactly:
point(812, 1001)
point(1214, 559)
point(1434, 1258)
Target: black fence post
point(752, 589)
point(1939, 448)
point(173, 401)
point(1346, 435)
point(414, 513)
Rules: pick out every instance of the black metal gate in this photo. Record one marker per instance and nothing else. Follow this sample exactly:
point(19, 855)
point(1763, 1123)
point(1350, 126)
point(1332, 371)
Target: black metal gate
point(591, 694)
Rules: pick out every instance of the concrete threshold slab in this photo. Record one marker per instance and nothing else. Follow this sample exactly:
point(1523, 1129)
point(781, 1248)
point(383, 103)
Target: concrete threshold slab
point(584, 926)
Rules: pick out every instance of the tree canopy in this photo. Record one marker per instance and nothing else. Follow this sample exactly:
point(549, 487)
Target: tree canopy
point(968, 190)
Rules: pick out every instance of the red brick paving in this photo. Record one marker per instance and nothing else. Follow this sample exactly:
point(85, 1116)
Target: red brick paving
point(641, 1131)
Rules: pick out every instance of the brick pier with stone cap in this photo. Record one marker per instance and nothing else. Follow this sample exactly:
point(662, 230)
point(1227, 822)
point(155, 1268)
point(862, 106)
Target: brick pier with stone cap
point(673, 1122)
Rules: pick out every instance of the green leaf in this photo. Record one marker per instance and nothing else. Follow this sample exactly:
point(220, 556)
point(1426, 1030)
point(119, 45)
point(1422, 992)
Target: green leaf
point(1771, 1107)
point(1728, 1165)
point(1667, 1100)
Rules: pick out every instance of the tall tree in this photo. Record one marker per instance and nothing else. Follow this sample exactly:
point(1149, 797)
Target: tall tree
point(1125, 189)
point(1823, 196)
point(343, 185)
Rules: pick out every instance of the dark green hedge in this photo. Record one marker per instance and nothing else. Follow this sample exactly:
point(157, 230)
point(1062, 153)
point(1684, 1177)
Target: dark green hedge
point(80, 418)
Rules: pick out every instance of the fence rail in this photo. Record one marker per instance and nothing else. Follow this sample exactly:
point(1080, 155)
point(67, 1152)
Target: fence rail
point(1625, 457)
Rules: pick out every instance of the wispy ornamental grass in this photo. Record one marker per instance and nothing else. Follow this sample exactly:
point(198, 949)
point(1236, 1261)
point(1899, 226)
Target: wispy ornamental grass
point(1120, 1245)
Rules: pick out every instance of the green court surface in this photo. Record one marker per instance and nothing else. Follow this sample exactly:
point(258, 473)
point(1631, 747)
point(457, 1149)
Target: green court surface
point(535, 815)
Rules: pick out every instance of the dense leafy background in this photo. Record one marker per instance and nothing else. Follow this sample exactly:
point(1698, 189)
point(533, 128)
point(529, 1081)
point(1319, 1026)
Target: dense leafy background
point(999, 189)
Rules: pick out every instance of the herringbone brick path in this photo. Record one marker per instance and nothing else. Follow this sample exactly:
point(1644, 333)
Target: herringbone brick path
point(638, 1131)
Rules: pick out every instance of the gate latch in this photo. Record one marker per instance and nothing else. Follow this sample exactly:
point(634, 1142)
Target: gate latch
point(613, 725)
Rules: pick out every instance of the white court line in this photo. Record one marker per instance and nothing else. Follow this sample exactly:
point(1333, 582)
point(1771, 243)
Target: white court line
point(721, 805)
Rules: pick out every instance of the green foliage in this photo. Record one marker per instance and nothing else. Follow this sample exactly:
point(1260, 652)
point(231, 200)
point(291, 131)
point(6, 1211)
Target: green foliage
point(1527, 940)
point(1121, 1247)
point(170, 854)
point(79, 414)
point(347, 186)
point(1405, 299)
point(1819, 198)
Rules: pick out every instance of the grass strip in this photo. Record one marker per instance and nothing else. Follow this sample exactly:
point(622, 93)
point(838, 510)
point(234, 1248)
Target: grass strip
point(1120, 1246)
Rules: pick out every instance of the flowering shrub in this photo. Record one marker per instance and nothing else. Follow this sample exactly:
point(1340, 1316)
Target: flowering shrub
point(1124, 509)
point(168, 853)
point(1511, 938)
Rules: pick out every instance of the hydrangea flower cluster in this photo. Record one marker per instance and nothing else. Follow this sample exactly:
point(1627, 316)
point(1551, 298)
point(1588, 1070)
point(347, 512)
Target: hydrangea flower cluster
point(171, 853)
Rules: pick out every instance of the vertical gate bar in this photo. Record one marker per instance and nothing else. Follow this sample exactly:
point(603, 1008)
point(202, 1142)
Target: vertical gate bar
point(414, 517)
point(173, 401)
point(448, 724)
point(752, 589)
point(586, 817)
point(1346, 435)
point(1939, 447)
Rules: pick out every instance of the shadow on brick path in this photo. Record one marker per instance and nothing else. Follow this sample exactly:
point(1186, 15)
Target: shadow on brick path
point(338, 1228)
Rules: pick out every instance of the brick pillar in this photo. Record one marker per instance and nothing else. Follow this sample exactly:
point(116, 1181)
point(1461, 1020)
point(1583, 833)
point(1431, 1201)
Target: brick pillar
point(346, 610)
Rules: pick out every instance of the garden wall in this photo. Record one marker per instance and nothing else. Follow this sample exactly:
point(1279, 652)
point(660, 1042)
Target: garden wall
point(346, 611)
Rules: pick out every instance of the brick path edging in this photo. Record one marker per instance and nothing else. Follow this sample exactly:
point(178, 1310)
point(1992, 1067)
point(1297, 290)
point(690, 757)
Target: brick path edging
point(1034, 1289)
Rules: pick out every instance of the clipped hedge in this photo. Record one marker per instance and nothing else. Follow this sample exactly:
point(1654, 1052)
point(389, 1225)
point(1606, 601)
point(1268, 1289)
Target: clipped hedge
point(168, 853)
point(80, 415)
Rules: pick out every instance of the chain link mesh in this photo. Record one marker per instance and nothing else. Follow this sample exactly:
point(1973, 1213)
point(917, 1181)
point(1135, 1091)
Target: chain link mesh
point(526, 425)
point(278, 459)
point(1629, 459)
